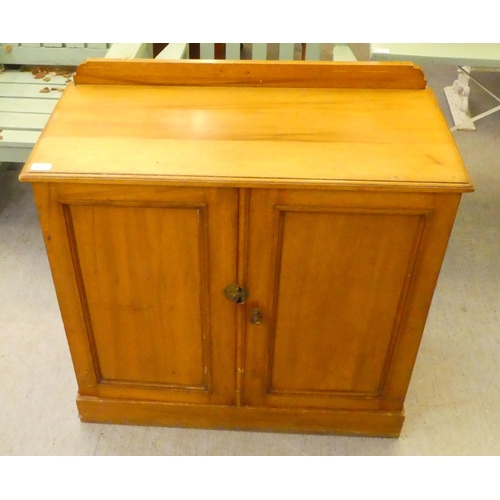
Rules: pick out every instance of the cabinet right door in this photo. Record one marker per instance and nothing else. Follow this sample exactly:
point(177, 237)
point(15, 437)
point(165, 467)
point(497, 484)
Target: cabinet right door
point(344, 281)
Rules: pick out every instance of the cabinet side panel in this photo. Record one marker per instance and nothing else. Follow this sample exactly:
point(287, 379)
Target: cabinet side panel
point(434, 244)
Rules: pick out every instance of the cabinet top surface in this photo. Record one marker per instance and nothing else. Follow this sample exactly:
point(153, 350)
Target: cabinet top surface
point(248, 136)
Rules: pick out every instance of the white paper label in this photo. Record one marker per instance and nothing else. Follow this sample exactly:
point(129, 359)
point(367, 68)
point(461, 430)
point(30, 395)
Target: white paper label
point(41, 167)
point(381, 51)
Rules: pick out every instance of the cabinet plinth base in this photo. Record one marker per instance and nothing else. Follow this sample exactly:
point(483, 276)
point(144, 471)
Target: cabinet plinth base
point(344, 422)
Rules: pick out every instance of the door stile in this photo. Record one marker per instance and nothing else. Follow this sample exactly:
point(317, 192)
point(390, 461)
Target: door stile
point(242, 266)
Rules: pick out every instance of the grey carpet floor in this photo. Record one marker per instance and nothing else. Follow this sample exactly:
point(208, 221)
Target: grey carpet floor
point(453, 405)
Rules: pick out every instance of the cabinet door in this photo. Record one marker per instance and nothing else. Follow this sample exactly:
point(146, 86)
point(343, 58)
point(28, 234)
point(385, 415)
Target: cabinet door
point(139, 273)
point(344, 282)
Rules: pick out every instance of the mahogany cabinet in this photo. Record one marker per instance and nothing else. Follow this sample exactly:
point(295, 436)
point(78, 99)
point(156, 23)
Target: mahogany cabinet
point(257, 255)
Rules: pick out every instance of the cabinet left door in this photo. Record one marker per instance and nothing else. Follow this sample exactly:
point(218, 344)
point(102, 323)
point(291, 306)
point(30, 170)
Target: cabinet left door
point(139, 273)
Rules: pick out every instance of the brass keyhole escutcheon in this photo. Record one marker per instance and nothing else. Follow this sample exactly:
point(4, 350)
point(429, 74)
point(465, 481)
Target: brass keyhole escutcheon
point(236, 294)
point(255, 316)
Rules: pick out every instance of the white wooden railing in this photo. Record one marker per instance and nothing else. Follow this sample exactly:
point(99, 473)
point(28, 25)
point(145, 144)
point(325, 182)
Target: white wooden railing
point(261, 51)
point(64, 54)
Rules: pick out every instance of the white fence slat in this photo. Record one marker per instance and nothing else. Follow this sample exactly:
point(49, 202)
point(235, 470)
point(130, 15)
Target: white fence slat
point(174, 51)
point(31, 44)
point(233, 51)
point(25, 77)
point(97, 45)
point(15, 154)
point(52, 44)
point(259, 51)
point(20, 105)
point(207, 51)
point(16, 90)
point(286, 51)
point(313, 51)
point(49, 56)
point(19, 138)
point(22, 121)
point(75, 45)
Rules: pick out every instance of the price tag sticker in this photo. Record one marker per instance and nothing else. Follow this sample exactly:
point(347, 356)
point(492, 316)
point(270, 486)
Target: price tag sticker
point(41, 167)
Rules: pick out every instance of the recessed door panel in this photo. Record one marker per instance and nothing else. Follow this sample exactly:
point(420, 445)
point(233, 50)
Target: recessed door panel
point(143, 274)
point(340, 284)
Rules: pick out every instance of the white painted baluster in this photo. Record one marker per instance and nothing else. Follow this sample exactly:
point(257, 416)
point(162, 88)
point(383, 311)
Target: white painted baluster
point(313, 51)
point(286, 51)
point(259, 51)
point(130, 51)
point(233, 51)
point(342, 52)
point(207, 51)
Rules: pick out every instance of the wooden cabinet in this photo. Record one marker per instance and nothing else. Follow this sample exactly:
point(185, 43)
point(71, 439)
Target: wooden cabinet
point(151, 211)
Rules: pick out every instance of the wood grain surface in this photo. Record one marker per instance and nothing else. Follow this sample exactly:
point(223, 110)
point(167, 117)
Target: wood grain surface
point(246, 136)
